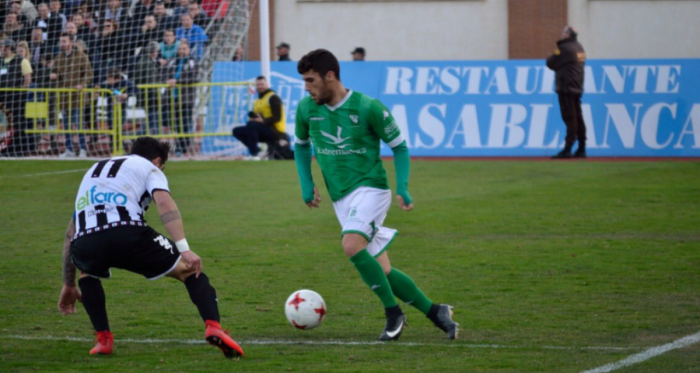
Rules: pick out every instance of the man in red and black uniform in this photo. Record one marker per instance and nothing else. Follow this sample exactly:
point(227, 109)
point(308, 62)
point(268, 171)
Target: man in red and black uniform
point(567, 62)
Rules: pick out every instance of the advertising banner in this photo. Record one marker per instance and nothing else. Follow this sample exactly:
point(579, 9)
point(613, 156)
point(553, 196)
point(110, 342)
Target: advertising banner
point(644, 108)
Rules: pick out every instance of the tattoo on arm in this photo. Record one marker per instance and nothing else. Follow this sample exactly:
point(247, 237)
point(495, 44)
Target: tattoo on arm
point(170, 216)
point(68, 267)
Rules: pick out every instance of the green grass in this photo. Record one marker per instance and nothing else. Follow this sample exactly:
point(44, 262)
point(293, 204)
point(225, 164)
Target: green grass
point(531, 254)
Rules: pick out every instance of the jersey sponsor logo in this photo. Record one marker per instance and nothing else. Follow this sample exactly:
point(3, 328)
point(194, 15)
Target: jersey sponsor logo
point(162, 241)
point(337, 140)
point(105, 210)
point(93, 197)
point(354, 118)
point(317, 118)
point(340, 151)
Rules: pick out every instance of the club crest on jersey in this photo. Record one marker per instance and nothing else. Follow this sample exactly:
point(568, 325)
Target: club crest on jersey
point(354, 118)
point(337, 140)
point(93, 197)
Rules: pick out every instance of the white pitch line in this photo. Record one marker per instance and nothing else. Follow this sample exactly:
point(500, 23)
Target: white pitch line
point(47, 173)
point(648, 354)
point(314, 343)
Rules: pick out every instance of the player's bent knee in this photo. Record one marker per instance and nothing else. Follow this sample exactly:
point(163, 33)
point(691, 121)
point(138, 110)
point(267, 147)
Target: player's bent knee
point(181, 272)
point(353, 243)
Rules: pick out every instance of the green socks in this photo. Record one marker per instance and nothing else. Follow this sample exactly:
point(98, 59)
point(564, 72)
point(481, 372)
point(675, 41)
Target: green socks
point(373, 275)
point(405, 288)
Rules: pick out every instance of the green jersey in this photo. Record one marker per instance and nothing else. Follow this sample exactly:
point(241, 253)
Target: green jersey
point(346, 140)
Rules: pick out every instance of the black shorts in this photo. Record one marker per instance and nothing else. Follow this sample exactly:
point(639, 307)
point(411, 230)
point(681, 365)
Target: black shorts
point(140, 250)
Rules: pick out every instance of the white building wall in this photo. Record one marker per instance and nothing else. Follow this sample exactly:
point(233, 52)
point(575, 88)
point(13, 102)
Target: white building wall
point(637, 29)
point(448, 30)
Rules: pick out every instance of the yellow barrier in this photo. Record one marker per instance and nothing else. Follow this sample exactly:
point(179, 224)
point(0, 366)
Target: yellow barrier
point(44, 113)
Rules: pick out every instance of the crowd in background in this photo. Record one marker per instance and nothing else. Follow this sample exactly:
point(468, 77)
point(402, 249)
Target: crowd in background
point(139, 42)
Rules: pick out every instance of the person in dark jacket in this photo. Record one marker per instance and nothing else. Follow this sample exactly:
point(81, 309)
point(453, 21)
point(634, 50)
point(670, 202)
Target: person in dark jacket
point(568, 62)
point(180, 101)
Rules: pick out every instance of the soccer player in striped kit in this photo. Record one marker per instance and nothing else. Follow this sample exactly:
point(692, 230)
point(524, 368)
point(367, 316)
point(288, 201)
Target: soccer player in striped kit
point(108, 231)
point(346, 128)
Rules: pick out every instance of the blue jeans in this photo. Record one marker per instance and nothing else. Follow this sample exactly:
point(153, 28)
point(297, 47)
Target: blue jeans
point(75, 116)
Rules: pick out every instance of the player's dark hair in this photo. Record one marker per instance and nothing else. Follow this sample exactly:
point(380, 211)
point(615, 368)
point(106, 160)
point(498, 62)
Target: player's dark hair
point(320, 61)
point(572, 33)
point(150, 148)
point(261, 77)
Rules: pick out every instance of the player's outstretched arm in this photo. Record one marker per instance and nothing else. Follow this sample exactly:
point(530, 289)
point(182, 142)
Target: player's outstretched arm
point(402, 162)
point(69, 292)
point(302, 158)
point(172, 221)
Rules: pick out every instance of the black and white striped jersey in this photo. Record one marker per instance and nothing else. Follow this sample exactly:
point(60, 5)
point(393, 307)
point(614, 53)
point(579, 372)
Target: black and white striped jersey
point(116, 191)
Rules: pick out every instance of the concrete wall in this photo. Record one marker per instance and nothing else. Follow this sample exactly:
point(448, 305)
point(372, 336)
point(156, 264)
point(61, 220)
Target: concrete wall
point(447, 30)
point(637, 29)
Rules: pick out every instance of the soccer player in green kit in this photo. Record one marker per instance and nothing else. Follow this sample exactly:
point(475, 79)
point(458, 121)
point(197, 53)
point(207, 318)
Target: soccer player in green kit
point(345, 128)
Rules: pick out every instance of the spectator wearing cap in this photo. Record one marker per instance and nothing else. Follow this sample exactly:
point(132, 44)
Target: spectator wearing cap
point(195, 35)
point(12, 76)
point(283, 52)
point(358, 54)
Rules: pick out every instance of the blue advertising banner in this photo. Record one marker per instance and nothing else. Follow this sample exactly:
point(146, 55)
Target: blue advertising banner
point(509, 108)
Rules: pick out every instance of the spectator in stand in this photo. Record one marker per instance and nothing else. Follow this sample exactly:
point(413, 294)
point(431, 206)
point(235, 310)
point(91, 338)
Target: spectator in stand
point(16, 8)
point(27, 141)
point(37, 47)
point(283, 52)
point(122, 88)
point(240, 53)
point(211, 7)
point(198, 16)
point(42, 71)
point(89, 14)
point(112, 42)
point(13, 29)
point(55, 7)
point(358, 54)
point(168, 47)
point(115, 12)
point(72, 69)
point(83, 31)
point(149, 31)
point(23, 55)
point(13, 74)
point(181, 8)
point(182, 70)
point(165, 21)
point(147, 72)
point(143, 8)
point(28, 10)
point(195, 36)
point(52, 26)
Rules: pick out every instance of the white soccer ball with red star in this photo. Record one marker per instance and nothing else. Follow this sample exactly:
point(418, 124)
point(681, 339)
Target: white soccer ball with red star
point(305, 309)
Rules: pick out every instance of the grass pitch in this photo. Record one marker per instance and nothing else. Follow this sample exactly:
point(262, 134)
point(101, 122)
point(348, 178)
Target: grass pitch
point(551, 267)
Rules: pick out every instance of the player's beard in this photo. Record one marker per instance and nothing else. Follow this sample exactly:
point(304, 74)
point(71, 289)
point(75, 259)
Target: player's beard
point(324, 95)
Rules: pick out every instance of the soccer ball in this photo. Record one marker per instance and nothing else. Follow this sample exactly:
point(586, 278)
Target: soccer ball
point(305, 309)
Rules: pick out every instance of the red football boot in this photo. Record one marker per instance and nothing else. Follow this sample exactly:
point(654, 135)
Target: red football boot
point(220, 338)
point(105, 341)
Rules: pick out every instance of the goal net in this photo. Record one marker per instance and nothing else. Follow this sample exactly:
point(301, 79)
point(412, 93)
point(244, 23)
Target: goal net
point(84, 79)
